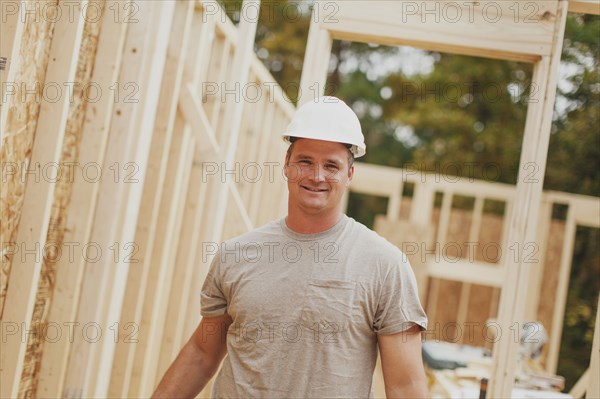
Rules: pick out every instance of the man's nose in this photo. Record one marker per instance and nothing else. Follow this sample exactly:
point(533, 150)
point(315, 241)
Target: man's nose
point(319, 173)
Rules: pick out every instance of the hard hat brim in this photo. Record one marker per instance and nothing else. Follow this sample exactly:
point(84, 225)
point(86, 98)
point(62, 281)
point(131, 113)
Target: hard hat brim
point(357, 151)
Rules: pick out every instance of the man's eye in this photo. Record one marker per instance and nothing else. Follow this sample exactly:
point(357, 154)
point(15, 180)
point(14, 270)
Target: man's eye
point(304, 162)
point(332, 166)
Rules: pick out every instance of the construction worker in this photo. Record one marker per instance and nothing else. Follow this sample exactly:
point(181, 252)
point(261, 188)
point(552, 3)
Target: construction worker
point(299, 307)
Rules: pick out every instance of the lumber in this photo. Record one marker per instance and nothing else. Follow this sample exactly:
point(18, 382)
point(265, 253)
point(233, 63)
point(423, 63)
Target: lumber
point(157, 40)
point(474, 229)
point(468, 272)
point(224, 68)
point(37, 200)
point(274, 198)
point(537, 269)
point(144, 373)
point(154, 185)
point(368, 179)
point(11, 33)
point(374, 179)
point(316, 61)
point(560, 302)
point(247, 148)
point(195, 114)
point(185, 292)
point(523, 219)
point(198, 206)
point(233, 114)
point(585, 6)
point(184, 256)
point(190, 69)
point(422, 205)
point(267, 134)
point(118, 201)
point(518, 31)
point(79, 214)
point(195, 68)
point(436, 269)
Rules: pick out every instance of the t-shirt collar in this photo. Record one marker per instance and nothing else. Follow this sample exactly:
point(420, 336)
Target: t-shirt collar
point(314, 236)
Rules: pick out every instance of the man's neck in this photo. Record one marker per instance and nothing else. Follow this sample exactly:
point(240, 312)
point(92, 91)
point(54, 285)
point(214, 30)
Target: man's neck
point(311, 224)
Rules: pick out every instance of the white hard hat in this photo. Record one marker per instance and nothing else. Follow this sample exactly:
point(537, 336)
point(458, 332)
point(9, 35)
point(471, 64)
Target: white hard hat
point(330, 119)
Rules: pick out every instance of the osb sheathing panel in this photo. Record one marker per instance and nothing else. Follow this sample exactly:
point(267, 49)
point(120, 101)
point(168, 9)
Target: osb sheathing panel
point(550, 273)
point(480, 298)
point(449, 291)
point(483, 301)
point(20, 129)
point(62, 195)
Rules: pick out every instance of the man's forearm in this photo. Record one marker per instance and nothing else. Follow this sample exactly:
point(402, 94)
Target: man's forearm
point(188, 374)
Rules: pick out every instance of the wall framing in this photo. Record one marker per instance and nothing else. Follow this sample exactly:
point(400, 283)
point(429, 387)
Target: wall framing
point(176, 132)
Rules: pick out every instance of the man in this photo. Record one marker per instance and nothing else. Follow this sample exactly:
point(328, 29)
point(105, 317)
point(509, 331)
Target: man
point(300, 305)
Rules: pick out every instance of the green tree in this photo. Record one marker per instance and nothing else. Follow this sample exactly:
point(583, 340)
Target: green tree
point(464, 116)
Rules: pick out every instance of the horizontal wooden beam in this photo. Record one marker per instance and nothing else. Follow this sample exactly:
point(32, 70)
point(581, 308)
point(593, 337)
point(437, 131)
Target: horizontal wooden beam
point(383, 181)
point(468, 272)
point(368, 179)
point(518, 30)
point(585, 6)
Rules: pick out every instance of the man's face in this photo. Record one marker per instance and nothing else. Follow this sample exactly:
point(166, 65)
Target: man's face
point(318, 174)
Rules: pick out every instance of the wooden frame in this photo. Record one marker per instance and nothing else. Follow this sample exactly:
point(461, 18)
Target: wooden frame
point(83, 201)
point(585, 6)
point(584, 211)
point(173, 134)
point(103, 285)
point(128, 356)
point(38, 197)
point(11, 32)
point(101, 292)
point(540, 43)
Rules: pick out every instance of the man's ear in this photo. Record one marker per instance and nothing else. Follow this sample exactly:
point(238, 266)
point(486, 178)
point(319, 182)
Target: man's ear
point(285, 165)
point(350, 175)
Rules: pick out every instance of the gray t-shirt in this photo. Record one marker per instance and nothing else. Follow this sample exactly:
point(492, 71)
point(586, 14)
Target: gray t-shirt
point(307, 309)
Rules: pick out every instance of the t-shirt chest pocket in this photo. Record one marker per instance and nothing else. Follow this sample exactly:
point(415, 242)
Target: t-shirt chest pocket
point(328, 306)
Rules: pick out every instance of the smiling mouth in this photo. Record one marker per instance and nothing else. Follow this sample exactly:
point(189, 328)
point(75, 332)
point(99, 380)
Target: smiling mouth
point(314, 190)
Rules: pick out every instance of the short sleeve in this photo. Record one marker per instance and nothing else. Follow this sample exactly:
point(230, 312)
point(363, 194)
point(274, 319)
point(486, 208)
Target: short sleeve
point(399, 306)
point(212, 299)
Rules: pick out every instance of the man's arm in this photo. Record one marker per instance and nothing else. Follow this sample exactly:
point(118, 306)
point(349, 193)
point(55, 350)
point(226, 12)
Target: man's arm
point(197, 361)
point(402, 364)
